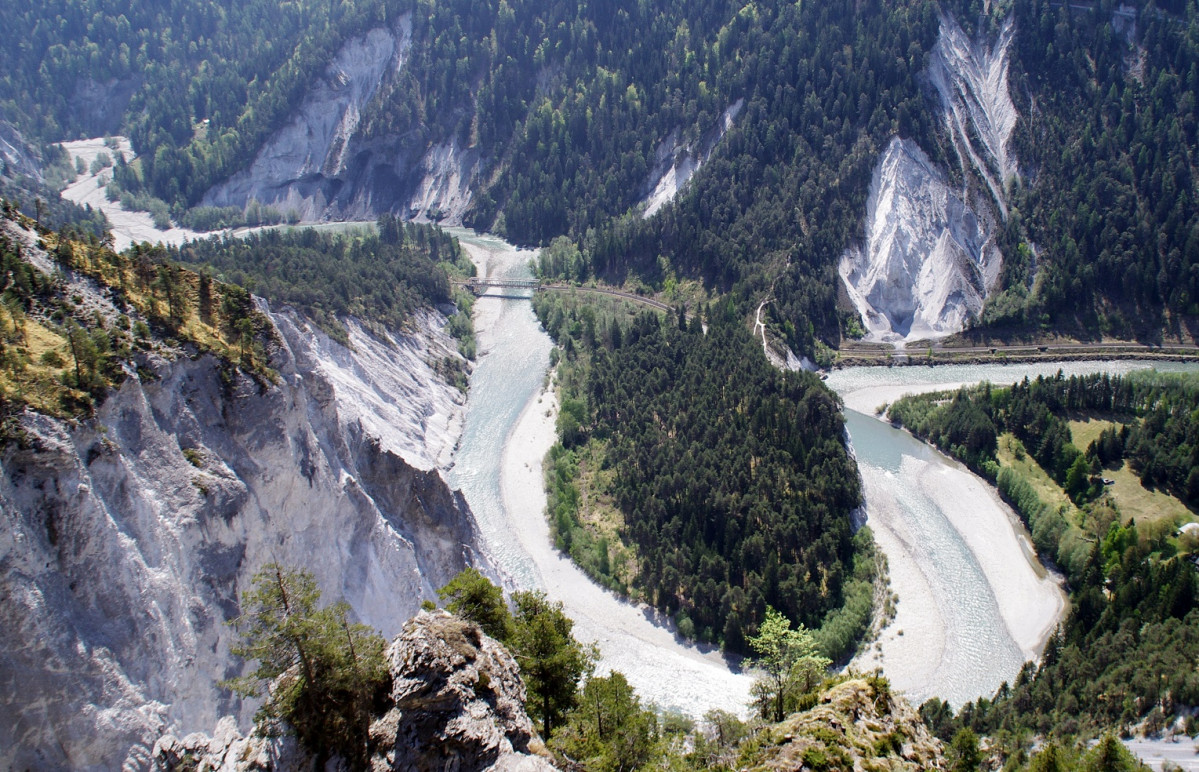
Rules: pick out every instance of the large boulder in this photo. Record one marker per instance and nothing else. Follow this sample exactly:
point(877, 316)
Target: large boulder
point(456, 705)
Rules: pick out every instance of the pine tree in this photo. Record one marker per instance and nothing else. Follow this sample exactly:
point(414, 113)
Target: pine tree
point(551, 661)
point(790, 662)
point(320, 673)
point(473, 597)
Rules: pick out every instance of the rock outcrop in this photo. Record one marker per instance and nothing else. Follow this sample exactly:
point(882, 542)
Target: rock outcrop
point(125, 539)
point(857, 724)
point(456, 703)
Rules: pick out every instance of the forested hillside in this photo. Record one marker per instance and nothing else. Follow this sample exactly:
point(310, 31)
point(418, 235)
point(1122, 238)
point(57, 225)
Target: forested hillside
point(1104, 236)
point(826, 85)
point(196, 84)
point(1127, 648)
point(696, 475)
point(575, 108)
point(380, 278)
point(61, 356)
point(1101, 237)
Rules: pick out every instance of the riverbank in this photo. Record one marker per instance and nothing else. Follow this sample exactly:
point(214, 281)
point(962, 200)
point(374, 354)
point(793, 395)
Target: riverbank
point(1027, 598)
point(874, 355)
point(941, 641)
point(88, 189)
point(973, 601)
point(665, 670)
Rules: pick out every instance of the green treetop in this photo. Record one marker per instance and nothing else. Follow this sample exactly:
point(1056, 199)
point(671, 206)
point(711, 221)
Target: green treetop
point(473, 597)
point(320, 673)
point(791, 664)
point(551, 661)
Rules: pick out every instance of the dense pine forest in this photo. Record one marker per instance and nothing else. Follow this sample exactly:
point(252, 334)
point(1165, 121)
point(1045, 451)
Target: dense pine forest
point(1108, 137)
point(730, 480)
point(571, 105)
point(378, 277)
point(1127, 648)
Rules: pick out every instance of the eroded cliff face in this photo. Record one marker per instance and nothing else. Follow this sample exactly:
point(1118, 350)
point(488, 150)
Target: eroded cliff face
point(125, 540)
point(17, 155)
point(297, 168)
point(929, 255)
point(929, 258)
point(971, 80)
point(676, 162)
point(319, 166)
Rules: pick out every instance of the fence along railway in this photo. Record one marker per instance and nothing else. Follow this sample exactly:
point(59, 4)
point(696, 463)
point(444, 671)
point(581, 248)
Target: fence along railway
point(481, 286)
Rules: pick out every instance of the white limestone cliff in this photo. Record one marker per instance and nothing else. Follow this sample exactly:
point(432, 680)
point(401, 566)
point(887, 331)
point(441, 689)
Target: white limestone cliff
point(126, 539)
point(929, 256)
point(971, 78)
point(443, 193)
point(676, 163)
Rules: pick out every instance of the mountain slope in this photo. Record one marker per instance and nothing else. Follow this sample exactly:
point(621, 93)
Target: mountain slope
point(127, 534)
point(1077, 122)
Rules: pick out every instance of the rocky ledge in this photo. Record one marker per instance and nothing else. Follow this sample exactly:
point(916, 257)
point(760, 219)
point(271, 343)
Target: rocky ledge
point(456, 703)
point(857, 724)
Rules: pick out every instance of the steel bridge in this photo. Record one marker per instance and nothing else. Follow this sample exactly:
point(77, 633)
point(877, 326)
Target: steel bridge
point(480, 286)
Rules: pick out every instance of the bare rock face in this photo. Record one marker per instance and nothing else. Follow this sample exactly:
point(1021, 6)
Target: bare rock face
point(227, 750)
point(456, 705)
point(930, 256)
point(126, 538)
point(17, 154)
point(320, 166)
point(971, 79)
point(929, 259)
point(313, 148)
point(458, 702)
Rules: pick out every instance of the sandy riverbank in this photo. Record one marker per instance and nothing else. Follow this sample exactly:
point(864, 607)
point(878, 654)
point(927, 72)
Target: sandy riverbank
point(87, 189)
point(913, 649)
point(1030, 600)
point(663, 669)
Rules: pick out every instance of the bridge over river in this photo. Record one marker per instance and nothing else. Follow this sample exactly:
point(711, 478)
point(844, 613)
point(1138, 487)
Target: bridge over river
point(481, 287)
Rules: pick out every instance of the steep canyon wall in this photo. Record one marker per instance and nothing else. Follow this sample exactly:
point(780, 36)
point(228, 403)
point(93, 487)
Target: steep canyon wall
point(126, 539)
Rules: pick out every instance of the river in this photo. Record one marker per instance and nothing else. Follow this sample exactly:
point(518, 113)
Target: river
point(973, 602)
point(509, 427)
